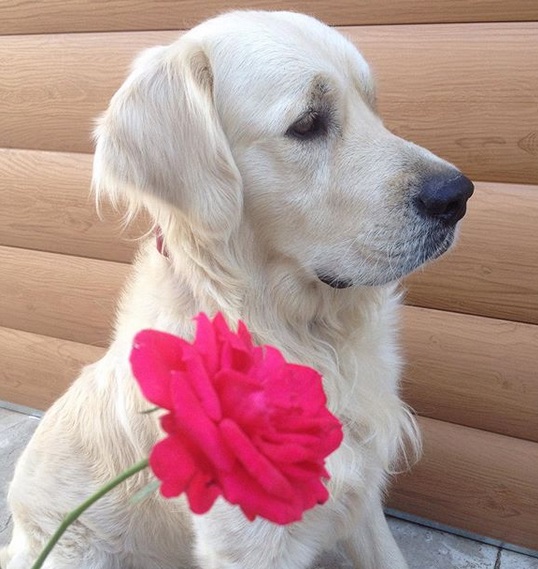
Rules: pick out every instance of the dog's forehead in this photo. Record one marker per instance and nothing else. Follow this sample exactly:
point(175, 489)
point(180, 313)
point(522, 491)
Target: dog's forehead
point(270, 61)
point(277, 49)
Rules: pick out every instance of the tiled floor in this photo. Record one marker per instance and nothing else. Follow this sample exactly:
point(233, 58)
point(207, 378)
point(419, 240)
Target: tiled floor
point(424, 548)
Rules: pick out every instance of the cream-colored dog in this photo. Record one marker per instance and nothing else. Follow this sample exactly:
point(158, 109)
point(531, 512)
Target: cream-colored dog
point(254, 143)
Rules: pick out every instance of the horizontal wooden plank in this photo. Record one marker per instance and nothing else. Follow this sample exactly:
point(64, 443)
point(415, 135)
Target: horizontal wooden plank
point(465, 92)
point(472, 97)
point(71, 298)
point(58, 16)
point(473, 371)
point(45, 204)
point(48, 106)
point(493, 270)
point(35, 370)
point(474, 480)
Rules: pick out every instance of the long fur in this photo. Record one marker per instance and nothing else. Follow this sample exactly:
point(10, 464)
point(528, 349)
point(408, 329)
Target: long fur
point(252, 218)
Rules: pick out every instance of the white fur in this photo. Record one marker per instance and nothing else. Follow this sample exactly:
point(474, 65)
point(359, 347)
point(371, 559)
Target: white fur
point(198, 136)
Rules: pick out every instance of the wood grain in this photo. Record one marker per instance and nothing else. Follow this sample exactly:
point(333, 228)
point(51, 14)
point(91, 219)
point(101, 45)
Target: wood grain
point(35, 370)
point(70, 298)
point(493, 270)
point(55, 86)
point(45, 204)
point(477, 481)
point(473, 371)
point(53, 16)
point(467, 92)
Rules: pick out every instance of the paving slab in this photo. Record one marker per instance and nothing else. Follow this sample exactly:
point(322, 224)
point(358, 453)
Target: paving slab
point(15, 432)
point(511, 560)
point(9, 418)
point(426, 548)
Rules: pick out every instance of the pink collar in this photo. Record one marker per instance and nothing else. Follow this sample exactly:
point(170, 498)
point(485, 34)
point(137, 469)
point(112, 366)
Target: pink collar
point(159, 241)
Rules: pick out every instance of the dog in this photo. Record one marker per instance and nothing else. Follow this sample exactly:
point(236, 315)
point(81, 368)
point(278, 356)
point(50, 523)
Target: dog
point(282, 200)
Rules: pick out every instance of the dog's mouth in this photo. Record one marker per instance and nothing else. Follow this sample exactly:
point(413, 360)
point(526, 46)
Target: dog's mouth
point(403, 260)
point(334, 282)
point(437, 245)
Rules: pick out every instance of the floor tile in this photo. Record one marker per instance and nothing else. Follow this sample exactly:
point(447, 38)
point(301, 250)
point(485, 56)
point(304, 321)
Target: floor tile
point(426, 548)
point(10, 418)
point(510, 560)
point(15, 432)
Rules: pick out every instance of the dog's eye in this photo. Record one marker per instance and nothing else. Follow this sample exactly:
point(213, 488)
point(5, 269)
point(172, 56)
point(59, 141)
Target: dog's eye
point(311, 125)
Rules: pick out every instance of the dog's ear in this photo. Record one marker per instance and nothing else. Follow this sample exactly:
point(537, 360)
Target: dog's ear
point(161, 137)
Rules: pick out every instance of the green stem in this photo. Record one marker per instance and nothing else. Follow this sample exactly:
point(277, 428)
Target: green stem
point(72, 516)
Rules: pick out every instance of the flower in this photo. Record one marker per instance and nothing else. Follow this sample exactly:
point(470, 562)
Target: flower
point(242, 423)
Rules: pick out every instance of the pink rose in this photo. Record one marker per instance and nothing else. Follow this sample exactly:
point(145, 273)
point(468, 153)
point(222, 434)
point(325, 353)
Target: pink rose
point(242, 422)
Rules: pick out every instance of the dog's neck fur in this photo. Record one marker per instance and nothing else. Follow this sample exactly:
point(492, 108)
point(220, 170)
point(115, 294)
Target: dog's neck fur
point(347, 335)
point(280, 306)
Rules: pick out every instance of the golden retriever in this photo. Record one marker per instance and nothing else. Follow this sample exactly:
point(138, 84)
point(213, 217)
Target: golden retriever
point(254, 143)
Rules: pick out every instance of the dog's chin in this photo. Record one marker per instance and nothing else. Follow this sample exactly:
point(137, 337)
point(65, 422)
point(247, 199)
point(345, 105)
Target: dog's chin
point(393, 269)
point(407, 264)
point(434, 248)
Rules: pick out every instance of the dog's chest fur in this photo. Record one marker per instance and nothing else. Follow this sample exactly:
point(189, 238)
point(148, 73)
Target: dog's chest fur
point(349, 336)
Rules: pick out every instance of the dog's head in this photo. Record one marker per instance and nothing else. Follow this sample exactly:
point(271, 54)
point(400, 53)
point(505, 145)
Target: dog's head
point(269, 119)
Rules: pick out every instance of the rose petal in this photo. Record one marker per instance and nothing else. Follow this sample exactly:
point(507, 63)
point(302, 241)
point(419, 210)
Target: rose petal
point(296, 386)
point(235, 352)
point(206, 344)
point(254, 462)
point(169, 423)
point(312, 493)
point(236, 358)
point(240, 488)
point(309, 384)
point(226, 336)
point(289, 453)
point(196, 374)
point(221, 326)
point(309, 440)
point(241, 398)
point(195, 424)
point(302, 471)
point(229, 380)
point(202, 493)
point(244, 334)
point(171, 463)
point(270, 369)
point(324, 426)
point(332, 437)
point(153, 356)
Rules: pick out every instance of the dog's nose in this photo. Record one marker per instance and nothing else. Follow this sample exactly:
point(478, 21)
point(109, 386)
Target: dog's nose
point(444, 198)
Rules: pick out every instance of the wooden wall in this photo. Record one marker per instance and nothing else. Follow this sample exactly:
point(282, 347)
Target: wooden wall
point(460, 77)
